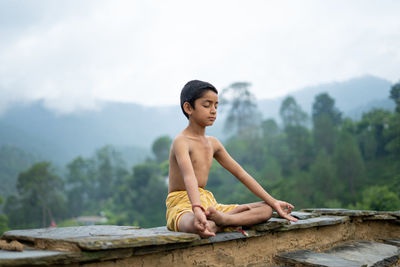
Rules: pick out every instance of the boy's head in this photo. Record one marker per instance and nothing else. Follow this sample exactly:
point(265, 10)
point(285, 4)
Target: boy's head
point(193, 90)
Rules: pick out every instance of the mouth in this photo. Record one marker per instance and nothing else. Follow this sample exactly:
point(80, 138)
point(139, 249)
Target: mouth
point(212, 118)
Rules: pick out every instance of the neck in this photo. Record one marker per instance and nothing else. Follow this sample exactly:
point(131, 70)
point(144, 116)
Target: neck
point(196, 129)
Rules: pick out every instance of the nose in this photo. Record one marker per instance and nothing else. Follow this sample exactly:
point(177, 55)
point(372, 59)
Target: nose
point(213, 110)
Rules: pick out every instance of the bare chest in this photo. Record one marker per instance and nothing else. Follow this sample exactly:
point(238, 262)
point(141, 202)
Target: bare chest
point(201, 154)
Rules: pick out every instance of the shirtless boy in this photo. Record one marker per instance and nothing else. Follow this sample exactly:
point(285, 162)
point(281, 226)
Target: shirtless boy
point(191, 208)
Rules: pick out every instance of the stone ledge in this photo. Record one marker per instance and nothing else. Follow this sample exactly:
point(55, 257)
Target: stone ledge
point(356, 253)
point(352, 213)
point(98, 237)
point(311, 258)
point(34, 257)
point(275, 224)
point(102, 243)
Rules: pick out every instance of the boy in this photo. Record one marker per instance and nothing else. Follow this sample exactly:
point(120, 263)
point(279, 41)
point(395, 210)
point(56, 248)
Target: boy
point(190, 208)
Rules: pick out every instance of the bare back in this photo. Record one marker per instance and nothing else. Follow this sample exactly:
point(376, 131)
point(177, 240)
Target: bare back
point(201, 150)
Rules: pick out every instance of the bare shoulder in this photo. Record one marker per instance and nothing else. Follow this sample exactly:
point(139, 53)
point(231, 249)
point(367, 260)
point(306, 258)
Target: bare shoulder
point(216, 144)
point(180, 142)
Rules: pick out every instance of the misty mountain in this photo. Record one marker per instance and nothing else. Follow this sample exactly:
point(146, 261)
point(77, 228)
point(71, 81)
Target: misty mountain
point(132, 128)
point(352, 97)
point(63, 137)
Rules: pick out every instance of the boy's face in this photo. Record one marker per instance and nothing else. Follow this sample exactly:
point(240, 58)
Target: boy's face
point(205, 110)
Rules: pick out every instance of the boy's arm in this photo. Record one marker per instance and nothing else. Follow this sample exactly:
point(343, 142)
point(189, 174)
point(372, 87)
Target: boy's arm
point(181, 151)
point(226, 161)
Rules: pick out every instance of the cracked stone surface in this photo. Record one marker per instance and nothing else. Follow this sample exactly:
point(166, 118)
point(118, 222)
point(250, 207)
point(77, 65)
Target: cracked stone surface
point(367, 252)
point(30, 256)
point(359, 253)
point(342, 212)
point(395, 242)
point(99, 237)
point(107, 242)
point(299, 215)
point(271, 224)
point(313, 222)
point(311, 258)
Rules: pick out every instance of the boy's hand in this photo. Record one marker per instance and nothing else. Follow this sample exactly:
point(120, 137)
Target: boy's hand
point(284, 209)
point(201, 223)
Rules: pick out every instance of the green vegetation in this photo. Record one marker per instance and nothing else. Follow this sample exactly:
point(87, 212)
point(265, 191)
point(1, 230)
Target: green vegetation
point(322, 160)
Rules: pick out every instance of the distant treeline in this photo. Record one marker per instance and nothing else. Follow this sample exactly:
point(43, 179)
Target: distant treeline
point(316, 160)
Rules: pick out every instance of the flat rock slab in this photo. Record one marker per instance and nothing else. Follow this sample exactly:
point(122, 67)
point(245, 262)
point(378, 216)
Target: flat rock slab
point(395, 242)
point(298, 214)
point(342, 212)
point(271, 224)
point(367, 252)
point(311, 258)
point(304, 215)
point(314, 222)
point(395, 213)
point(31, 257)
point(98, 237)
point(226, 236)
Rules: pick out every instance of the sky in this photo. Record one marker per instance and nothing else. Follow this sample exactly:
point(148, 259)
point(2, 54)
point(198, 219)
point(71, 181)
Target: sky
point(74, 55)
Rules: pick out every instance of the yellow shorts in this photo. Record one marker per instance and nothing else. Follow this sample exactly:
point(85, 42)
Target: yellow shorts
point(178, 203)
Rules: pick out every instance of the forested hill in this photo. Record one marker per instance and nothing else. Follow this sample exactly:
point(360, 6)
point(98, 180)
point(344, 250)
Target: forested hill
point(133, 127)
point(352, 97)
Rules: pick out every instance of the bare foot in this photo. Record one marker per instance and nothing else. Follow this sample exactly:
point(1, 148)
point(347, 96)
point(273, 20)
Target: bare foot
point(216, 216)
point(212, 226)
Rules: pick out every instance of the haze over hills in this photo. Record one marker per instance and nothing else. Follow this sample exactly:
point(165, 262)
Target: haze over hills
point(132, 128)
point(352, 97)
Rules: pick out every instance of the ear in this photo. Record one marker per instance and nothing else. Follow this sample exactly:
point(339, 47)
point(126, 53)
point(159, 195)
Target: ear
point(187, 108)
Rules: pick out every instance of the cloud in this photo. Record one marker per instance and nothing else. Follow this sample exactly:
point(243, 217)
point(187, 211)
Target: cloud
point(76, 54)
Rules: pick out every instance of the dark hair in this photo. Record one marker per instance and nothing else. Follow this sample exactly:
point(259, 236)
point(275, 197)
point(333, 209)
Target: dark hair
point(194, 90)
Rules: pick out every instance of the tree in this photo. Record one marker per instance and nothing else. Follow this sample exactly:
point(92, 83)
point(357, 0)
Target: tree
point(349, 165)
point(140, 198)
point(270, 129)
point(324, 104)
point(324, 133)
point(371, 130)
point(291, 113)
point(39, 199)
point(80, 185)
point(161, 148)
point(379, 198)
point(326, 117)
point(326, 186)
point(92, 182)
point(243, 114)
point(13, 160)
point(392, 135)
point(297, 135)
point(395, 95)
point(109, 171)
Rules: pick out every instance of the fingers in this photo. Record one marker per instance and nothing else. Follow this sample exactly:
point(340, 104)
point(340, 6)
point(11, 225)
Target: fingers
point(286, 207)
point(199, 225)
point(290, 218)
point(207, 233)
point(203, 228)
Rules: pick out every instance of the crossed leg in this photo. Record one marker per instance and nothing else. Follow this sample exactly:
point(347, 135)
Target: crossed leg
point(246, 214)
